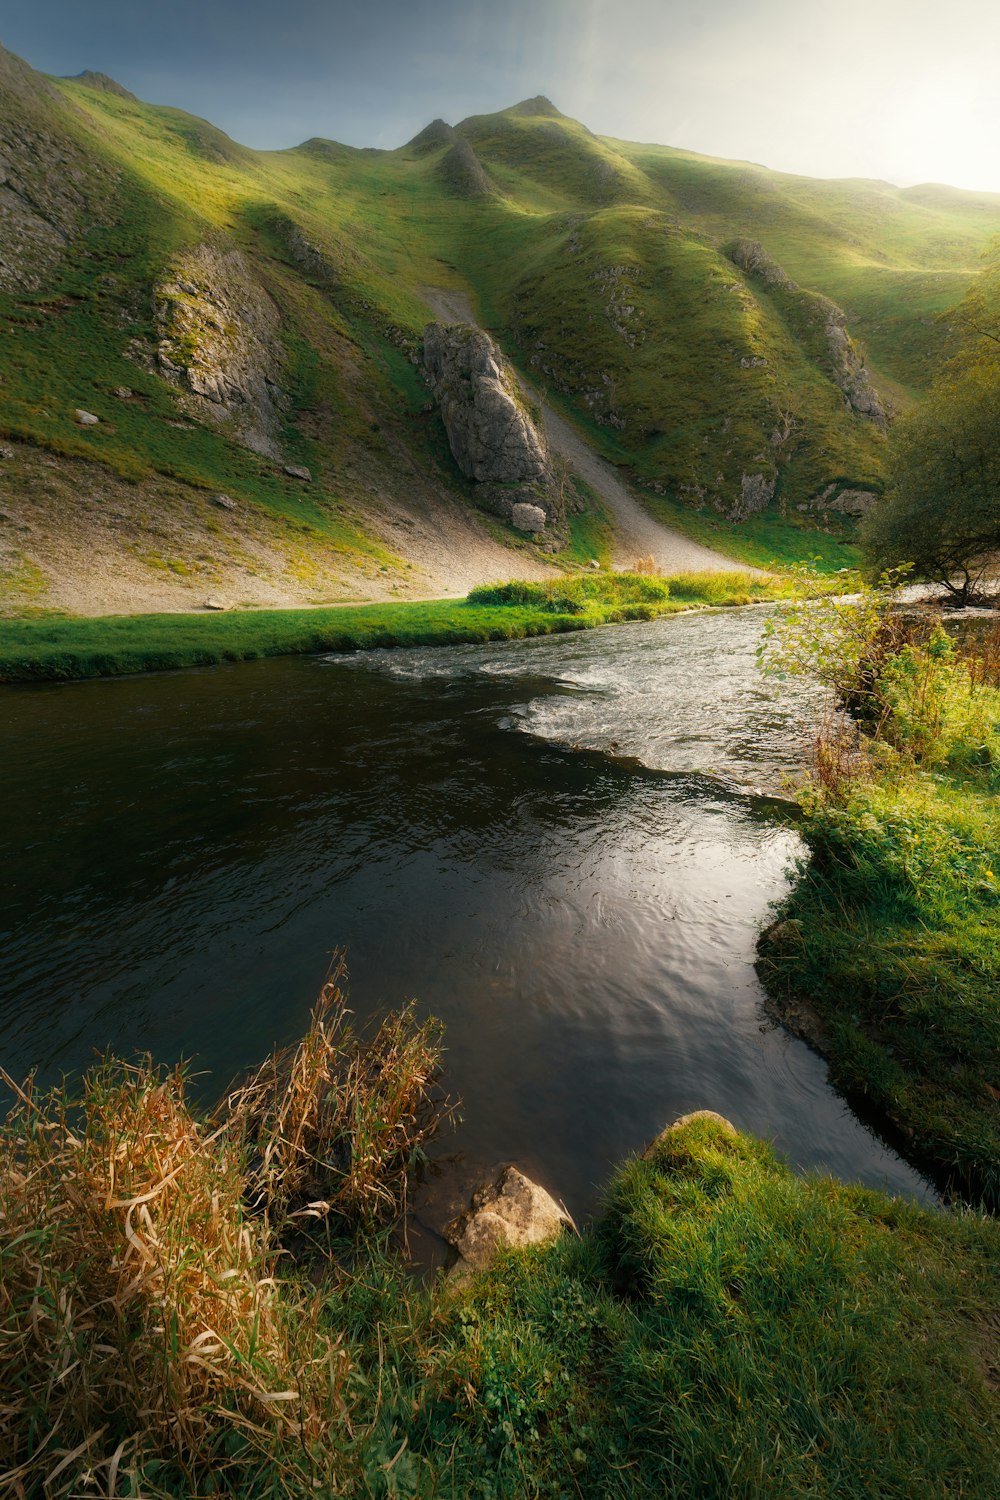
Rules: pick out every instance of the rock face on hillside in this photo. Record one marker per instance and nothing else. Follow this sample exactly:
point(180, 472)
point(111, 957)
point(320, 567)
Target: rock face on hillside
point(48, 186)
point(814, 312)
point(850, 370)
point(219, 341)
point(491, 433)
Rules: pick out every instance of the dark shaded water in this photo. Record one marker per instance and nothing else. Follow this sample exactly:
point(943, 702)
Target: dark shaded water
point(558, 846)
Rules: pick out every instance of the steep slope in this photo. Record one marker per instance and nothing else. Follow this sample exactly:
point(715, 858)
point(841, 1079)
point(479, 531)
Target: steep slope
point(238, 319)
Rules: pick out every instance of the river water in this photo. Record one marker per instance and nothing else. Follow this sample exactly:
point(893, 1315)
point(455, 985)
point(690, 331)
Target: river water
point(563, 848)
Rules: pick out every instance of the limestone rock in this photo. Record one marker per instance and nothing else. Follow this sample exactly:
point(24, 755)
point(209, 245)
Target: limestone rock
point(219, 342)
point(850, 370)
point(813, 312)
point(123, 393)
point(224, 502)
point(751, 257)
point(491, 433)
point(85, 418)
point(512, 1211)
point(214, 603)
point(528, 517)
point(298, 471)
point(756, 494)
point(849, 502)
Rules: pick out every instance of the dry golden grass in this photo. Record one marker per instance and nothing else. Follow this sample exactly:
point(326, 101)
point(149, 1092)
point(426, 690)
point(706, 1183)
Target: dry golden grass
point(152, 1332)
point(333, 1128)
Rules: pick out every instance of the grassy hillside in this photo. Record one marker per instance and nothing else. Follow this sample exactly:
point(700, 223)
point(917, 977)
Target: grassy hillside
point(604, 267)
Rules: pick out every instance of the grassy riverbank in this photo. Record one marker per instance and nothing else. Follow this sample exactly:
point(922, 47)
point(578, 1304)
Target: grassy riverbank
point(725, 1328)
point(58, 647)
point(887, 953)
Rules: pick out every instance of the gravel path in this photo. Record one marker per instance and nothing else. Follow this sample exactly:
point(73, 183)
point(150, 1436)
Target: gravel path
point(637, 533)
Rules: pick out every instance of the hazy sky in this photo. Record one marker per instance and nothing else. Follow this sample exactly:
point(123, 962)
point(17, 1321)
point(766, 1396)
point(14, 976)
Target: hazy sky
point(907, 90)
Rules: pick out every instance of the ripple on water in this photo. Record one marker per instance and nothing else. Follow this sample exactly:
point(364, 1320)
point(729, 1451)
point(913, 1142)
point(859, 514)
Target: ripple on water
point(187, 849)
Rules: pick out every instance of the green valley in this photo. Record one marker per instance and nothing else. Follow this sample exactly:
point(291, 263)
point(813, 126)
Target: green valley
point(732, 340)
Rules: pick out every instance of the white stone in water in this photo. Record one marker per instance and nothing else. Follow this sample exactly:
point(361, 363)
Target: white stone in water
point(511, 1211)
point(528, 517)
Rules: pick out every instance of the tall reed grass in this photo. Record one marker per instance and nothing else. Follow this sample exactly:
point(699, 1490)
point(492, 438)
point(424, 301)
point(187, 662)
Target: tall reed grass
point(154, 1334)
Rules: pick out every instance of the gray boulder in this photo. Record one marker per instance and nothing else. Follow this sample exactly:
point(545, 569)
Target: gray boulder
point(298, 471)
point(512, 1211)
point(85, 418)
point(849, 502)
point(489, 428)
point(528, 517)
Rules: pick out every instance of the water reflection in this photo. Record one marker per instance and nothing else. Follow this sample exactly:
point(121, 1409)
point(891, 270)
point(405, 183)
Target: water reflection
point(557, 845)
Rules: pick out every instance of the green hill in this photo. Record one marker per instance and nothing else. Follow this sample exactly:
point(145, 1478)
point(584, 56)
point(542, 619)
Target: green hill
point(142, 252)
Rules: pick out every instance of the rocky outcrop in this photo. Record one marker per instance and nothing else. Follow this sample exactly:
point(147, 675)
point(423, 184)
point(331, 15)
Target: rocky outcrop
point(462, 173)
point(219, 341)
point(813, 313)
point(756, 494)
point(752, 258)
point(850, 370)
point(511, 1212)
point(850, 502)
point(490, 431)
point(49, 187)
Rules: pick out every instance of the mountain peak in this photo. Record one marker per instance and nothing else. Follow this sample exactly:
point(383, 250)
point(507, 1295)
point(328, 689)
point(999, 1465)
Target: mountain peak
point(539, 105)
point(103, 82)
point(437, 133)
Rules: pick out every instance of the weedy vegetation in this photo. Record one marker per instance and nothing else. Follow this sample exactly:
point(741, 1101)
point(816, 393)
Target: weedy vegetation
point(887, 953)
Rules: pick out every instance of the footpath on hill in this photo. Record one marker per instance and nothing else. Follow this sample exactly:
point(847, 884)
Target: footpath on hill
point(637, 533)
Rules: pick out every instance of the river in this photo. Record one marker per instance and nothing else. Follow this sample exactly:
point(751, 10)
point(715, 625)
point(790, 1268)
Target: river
point(564, 848)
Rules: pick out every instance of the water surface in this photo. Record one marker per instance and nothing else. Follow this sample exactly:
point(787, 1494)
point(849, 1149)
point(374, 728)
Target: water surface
point(564, 848)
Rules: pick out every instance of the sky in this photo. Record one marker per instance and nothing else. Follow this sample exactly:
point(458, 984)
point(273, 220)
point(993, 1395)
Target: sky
point(902, 90)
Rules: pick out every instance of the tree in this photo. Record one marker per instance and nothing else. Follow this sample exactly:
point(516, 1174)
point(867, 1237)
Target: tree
point(941, 512)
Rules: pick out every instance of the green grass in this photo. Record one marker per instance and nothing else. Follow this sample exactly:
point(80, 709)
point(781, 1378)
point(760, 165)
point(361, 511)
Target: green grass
point(724, 1328)
point(50, 647)
point(887, 952)
point(767, 540)
point(588, 234)
point(727, 1329)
